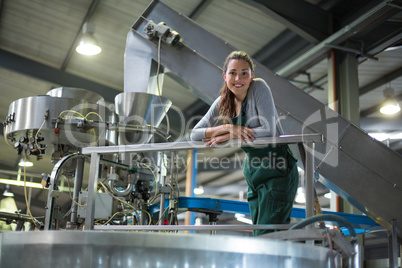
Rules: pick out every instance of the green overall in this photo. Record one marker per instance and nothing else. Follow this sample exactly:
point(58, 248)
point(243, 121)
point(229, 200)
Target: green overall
point(272, 179)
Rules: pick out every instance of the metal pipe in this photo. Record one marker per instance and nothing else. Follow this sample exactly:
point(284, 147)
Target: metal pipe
point(328, 217)
point(79, 170)
point(162, 179)
point(124, 192)
point(309, 173)
point(54, 176)
point(393, 246)
point(92, 187)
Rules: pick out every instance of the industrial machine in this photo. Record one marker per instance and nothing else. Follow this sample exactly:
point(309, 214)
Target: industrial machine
point(76, 127)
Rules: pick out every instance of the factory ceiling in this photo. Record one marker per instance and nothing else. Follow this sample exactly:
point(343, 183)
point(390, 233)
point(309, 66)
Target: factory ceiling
point(291, 37)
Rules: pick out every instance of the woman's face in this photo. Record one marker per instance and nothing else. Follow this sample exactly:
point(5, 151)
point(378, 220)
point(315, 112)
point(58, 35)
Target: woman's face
point(238, 77)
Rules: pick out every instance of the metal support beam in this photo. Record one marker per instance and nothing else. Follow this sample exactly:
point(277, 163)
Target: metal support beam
point(1, 7)
point(343, 88)
point(393, 246)
point(92, 189)
point(273, 55)
point(348, 84)
point(41, 71)
point(381, 81)
point(306, 20)
point(77, 188)
point(374, 16)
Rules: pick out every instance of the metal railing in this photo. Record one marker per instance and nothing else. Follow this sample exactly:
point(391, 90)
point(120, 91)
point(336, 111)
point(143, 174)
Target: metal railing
point(305, 141)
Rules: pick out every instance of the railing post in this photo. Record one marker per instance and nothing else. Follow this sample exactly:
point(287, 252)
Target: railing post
point(309, 179)
point(92, 187)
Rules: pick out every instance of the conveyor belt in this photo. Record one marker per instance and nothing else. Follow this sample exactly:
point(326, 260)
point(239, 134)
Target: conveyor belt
point(230, 206)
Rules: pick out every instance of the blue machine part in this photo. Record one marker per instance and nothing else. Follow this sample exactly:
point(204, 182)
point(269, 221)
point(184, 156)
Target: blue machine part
point(229, 206)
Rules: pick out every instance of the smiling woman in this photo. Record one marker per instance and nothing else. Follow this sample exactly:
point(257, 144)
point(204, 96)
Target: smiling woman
point(245, 110)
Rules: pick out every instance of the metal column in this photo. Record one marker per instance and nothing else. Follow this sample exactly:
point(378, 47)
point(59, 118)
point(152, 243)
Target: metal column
point(92, 188)
point(77, 187)
point(393, 246)
point(343, 91)
point(309, 179)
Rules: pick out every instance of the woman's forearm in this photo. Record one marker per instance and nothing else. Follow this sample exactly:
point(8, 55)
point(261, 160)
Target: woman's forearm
point(217, 131)
point(235, 132)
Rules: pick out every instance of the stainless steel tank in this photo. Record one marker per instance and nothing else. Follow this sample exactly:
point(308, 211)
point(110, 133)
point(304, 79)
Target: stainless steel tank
point(128, 249)
point(26, 116)
point(75, 93)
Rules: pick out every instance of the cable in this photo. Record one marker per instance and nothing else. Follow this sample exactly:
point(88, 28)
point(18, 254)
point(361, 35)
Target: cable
point(330, 246)
point(70, 111)
point(98, 115)
point(149, 215)
point(5, 137)
point(37, 132)
point(148, 167)
point(85, 118)
point(163, 214)
point(114, 215)
point(35, 221)
point(100, 135)
point(328, 217)
point(118, 199)
point(155, 179)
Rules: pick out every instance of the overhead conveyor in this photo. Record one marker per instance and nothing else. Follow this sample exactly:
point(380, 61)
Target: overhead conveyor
point(360, 169)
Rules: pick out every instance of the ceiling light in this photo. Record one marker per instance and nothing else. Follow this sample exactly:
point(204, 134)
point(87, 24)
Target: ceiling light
point(25, 163)
point(7, 192)
point(199, 190)
point(88, 44)
point(390, 106)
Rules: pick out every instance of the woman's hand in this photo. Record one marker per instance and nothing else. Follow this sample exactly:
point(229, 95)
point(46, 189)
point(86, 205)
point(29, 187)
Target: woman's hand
point(229, 132)
point(239, 132)
point(216, 140)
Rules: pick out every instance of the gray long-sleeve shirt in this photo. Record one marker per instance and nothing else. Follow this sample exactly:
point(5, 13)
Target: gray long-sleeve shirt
point(260, 113)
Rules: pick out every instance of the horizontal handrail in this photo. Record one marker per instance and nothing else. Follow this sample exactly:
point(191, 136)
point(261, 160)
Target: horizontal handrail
point(189, 145)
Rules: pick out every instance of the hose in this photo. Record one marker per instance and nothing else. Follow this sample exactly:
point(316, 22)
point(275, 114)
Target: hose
point(328, 217)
